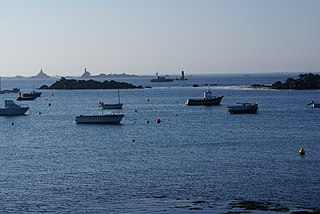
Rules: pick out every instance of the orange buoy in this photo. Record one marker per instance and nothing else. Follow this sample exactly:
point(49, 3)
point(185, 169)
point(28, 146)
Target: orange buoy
point(158, 120)
point(302, 152)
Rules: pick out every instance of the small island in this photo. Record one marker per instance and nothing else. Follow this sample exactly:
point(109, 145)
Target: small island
point(304, 82)
point(72, 84)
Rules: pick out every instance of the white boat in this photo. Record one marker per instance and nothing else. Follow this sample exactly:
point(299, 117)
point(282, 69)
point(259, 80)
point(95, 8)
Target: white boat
point(208, 99)
point(314, 105)
point(11, 108)
point(161, 79)
point(106, 119)
point(112, 106)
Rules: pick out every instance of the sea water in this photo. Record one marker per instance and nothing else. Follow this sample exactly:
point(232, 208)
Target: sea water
point(198, 157)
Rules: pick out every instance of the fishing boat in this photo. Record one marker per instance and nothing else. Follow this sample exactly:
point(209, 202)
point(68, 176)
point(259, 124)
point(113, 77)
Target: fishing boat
point(112, 106)
point(102, 119)
point(208, 99)
point(314, 105)
point(32, 94)
point(161, 79)
point(28, 97)
point(11, 108)
point(243, 108)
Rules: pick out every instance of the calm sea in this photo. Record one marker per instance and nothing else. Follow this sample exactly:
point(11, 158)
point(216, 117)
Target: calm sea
point(198, 157)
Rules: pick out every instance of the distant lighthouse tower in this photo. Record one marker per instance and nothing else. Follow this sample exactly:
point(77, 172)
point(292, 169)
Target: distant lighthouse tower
point(182, 75)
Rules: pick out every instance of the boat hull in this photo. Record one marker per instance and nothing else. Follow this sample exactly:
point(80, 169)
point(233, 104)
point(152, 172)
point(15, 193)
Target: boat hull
point(243, 110)
point(33, 94)
point(213, 101)
point(111, 106)
point(26, 98)
point(315, 105)
point(100, 119)
point(13, 111)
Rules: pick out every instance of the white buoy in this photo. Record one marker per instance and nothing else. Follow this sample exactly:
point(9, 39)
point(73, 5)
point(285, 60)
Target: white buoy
point(302, 152)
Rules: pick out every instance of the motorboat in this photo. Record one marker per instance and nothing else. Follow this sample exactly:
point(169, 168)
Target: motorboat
point(28, 97)
point(11, 108)
point(208, 99)
point(161, 79)
point(112, 106)
point(32, 94)
point(102, 119)
point(243, 108)
point(314, 105)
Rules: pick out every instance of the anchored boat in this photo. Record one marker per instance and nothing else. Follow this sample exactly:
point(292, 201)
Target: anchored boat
point(11, 108)
point(112, 106)
point(314, 105)
point(104, 119)
point(243, 108)
point(208, 99)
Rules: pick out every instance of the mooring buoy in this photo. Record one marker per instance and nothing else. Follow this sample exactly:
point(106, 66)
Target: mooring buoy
point(302, 152)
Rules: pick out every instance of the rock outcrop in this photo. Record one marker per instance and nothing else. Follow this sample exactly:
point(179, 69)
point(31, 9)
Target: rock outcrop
point(304, 82)
point(70, 84)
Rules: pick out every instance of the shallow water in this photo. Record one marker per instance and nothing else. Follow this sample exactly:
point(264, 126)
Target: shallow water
point(197, 157)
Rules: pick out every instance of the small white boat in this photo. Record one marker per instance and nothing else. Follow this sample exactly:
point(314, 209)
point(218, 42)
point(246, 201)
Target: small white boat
point(244, 108)
point(11, 108)
point(208, 99)
point(314, 105)
point(106, 119)
point(112, 106)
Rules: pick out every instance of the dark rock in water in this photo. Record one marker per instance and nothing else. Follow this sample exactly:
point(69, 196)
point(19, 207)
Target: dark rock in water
point(256, 205)
point(304, 82)
point(262, 86)
point(68, 84)
point(44, 87)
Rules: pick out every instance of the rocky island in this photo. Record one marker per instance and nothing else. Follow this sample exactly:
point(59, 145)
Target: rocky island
point(304, 82)
point(72, 84)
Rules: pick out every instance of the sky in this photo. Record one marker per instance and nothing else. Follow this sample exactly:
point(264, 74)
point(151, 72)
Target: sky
point(142, 36)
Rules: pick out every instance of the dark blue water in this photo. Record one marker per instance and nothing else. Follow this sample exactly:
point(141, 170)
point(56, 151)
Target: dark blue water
point(51, 164)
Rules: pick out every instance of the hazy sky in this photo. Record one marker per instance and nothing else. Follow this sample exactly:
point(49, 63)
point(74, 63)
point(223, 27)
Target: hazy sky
point(140, 36)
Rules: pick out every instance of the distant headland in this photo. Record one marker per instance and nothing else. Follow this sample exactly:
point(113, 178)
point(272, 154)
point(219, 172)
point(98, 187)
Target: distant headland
point(71, 84)
point(86, 75)
point(304, 82)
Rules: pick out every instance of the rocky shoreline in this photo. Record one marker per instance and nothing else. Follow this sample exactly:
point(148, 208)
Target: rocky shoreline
point(72, 84)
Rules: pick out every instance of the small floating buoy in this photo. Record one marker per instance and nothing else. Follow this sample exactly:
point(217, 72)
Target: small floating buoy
point(49, 104)
point(39, 112)
point(158, 120)
point(52, 94)
point(12, 123)
point(302, 152)
point(176, 114)
point(135, 110)
point(133, 140)
point(148, 121)
point(148, 100)
point(177, 101)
